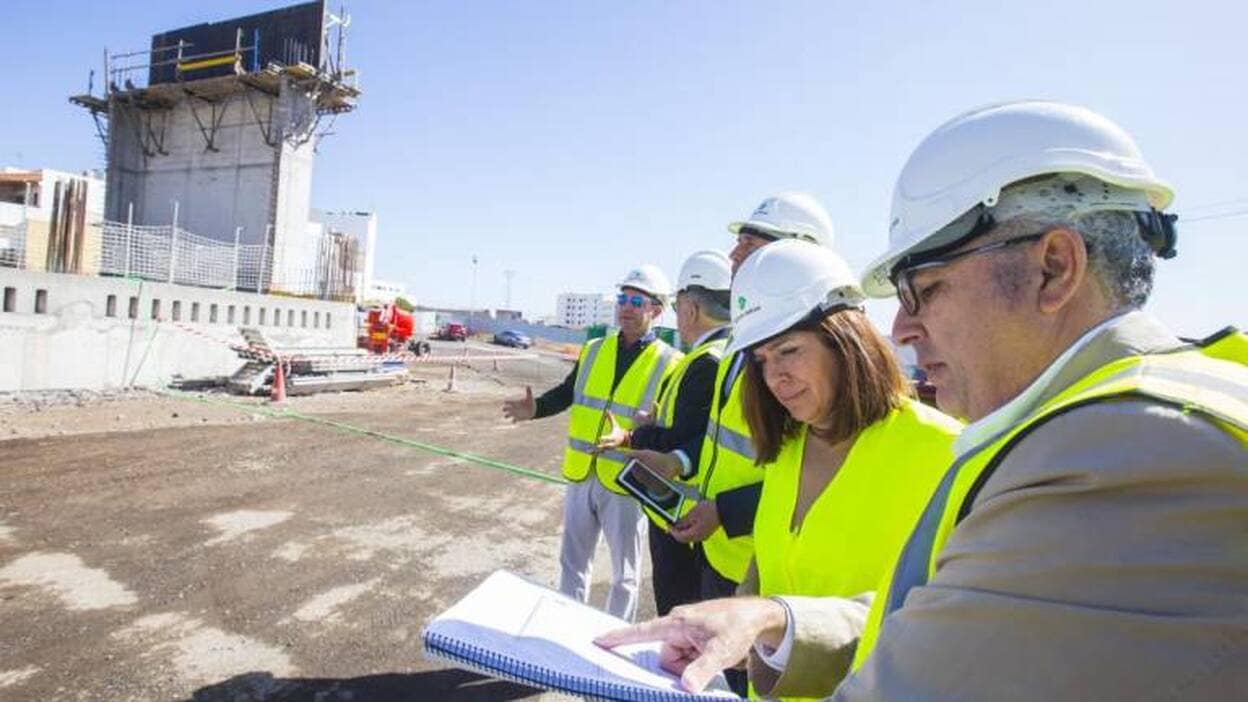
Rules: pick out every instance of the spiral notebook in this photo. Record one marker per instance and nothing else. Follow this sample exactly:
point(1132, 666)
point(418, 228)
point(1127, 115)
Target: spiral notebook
point(511, 628)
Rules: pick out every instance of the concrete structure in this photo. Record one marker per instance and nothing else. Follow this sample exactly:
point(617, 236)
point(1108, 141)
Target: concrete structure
point(235, 176)
point(29, 208)
point(61, 331)
point(580, 310)
point(220, 141)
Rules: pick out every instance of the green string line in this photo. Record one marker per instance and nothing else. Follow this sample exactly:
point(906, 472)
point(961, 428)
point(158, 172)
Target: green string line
point(352, 429)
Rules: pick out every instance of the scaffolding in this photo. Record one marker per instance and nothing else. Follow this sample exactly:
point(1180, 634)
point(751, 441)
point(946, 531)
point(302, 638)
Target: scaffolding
point(127, 85)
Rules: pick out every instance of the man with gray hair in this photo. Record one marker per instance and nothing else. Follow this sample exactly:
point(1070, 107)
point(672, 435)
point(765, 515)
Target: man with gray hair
point(1088, 541)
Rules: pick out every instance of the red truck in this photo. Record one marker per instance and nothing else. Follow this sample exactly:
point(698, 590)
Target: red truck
point(453, 331)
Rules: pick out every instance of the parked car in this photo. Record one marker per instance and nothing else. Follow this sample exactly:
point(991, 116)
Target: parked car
point(512, 338)
point(453, 331)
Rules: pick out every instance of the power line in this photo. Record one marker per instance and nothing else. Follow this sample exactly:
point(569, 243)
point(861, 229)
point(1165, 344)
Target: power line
point(1206, 218)
point(1217, 205)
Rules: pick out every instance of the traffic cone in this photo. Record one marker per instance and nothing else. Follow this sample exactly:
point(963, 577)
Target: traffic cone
point(450, 382)
point(278, 393)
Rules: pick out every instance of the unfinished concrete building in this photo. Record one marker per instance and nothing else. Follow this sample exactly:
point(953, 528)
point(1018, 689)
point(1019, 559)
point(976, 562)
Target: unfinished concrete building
point(210, 137)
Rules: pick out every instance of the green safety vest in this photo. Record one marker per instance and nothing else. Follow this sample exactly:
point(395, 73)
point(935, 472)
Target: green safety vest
point(666, 415)
point(726, 462)
point(854, 529)
point(1210, 379)
point(592, 397)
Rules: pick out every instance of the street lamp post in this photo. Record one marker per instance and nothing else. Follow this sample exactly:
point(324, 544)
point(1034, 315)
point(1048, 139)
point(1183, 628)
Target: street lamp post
point(472, 305)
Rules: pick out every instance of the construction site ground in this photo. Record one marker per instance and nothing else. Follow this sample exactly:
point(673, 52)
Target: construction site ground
point(202, 546)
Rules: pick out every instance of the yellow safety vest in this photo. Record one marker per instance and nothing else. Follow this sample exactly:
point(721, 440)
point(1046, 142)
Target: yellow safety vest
point(666, 416)
point(726, 462)
point(593, 396)
point(853, 531)
point(1211, 380)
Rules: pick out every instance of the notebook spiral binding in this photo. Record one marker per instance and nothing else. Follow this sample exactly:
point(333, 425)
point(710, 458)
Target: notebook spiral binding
point(518, 671)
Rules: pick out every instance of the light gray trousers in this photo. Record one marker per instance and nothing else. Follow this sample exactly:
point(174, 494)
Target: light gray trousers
point(589, 509)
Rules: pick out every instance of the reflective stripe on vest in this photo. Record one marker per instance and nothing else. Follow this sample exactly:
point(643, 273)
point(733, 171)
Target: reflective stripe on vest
point(666, 417)
point(855, 527)
point(1212, 381)
point(671, 390)
point(726, 462)
point(593, 395)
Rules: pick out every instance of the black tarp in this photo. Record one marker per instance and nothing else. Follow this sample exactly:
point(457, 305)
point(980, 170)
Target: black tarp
point(287, 36)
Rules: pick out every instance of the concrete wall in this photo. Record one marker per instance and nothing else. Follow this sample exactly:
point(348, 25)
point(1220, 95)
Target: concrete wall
point(245, 182)
point(216, 191)
point(76, 344)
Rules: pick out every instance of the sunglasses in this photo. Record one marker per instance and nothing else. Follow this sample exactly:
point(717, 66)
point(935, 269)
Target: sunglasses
point(636, 300)
point(903, 278)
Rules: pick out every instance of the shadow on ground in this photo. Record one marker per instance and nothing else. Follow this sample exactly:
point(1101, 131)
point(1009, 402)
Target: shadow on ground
point(453, 685)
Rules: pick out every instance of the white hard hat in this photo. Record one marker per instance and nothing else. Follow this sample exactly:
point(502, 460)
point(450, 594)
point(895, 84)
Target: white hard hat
point(790, 215)
point(648, 279)
point(709, 269)
point(967, 161)
point(784, 283)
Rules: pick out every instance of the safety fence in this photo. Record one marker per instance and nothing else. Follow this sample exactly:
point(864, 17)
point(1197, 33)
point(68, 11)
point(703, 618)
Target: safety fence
point(167, 253)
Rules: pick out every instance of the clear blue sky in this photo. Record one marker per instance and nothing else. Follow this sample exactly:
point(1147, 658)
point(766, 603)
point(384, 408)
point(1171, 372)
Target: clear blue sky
point(570, 140)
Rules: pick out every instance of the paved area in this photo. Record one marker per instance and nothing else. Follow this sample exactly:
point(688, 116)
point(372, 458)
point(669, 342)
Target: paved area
point(173, 548)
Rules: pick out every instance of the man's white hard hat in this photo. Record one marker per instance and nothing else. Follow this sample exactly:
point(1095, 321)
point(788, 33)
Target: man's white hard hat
point(649, 279)
point(968, 160)
point(790, 215)
point(709, 269)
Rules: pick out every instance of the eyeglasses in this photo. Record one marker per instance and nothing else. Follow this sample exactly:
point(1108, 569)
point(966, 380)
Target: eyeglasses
point(636, 300)
point(903, 278)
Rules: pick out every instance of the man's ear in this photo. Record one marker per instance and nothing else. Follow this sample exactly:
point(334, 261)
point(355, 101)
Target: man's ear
point(1063, 267)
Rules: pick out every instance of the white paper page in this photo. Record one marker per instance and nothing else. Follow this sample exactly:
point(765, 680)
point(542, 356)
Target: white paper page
point(512, 616)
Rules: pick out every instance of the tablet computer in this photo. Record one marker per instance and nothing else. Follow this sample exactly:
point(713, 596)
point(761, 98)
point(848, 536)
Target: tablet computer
point(651, 489)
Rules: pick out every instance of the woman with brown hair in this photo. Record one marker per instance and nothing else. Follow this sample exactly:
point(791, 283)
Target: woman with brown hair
point(849, 456)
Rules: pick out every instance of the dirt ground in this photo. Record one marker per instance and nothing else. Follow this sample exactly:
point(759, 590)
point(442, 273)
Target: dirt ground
point(203, 547)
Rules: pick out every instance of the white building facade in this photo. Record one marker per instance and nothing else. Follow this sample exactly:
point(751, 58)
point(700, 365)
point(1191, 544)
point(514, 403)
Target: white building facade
point(580, 310)
point(384, 291)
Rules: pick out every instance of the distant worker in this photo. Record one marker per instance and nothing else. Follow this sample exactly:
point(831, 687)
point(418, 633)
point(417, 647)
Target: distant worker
point(1088, 540)
point(620, 373)
point(683, 407)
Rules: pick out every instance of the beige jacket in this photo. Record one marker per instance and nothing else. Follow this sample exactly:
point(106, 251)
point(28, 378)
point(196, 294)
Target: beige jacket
point(1105, 559)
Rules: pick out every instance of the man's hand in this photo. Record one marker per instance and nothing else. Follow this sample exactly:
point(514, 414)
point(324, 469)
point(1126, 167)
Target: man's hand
point(665, 464)
point(644, 417)
point(615, 436)
point(522, 409)
point(698, 524)
point(702, 639)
